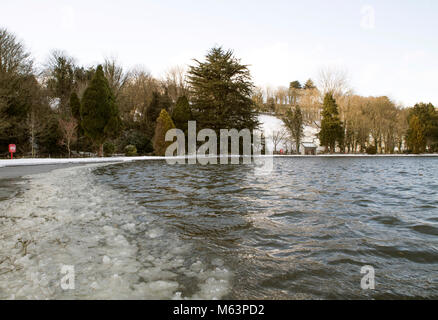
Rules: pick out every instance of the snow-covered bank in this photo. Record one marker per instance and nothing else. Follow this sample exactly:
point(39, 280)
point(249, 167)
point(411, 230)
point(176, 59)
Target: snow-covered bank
point(43, 161)
point(59, 161)
point(270, 124)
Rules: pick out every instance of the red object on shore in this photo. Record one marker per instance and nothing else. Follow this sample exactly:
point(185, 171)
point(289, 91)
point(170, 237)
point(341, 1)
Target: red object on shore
point(12, 149)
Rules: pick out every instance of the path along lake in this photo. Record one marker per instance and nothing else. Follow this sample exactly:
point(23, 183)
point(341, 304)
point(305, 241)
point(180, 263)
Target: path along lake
point(150, 230)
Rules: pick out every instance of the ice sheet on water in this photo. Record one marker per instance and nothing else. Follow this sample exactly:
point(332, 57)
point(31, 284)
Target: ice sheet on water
point(66, 218)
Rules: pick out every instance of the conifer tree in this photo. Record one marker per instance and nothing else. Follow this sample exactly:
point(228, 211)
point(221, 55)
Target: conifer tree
point(295, 85)
point(60, 74)
point(158, 103)
point(309, 85)
point(99, 112)
point(416, 139)
point(182, 114)
point(294, 123)
point(332, 131)
point(153, 109)
point(164, 123)
point(221, 90)
point(294, 92)
point(75, 106)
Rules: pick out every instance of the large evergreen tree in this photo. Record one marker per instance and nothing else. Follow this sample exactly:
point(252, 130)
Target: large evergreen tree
point(294, 123)
point(99, 112)
point(164, 124)
point(332, 131)
point(221, 89)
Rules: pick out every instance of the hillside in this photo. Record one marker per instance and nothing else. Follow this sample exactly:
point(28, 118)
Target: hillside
point(271, 124)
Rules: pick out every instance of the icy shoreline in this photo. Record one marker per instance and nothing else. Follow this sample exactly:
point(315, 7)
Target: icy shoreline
point(117, 249)
point(51, 161)
point(43, 161)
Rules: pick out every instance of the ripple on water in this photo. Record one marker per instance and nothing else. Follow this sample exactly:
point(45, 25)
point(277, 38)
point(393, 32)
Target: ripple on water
point(425, 229)
point(336, 214)
point(388, 220)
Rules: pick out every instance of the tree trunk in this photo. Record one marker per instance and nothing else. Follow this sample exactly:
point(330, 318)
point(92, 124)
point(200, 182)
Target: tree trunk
point(100, 154)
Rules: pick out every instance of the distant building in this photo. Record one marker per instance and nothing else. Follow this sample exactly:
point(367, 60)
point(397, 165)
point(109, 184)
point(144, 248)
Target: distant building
point(308, 148)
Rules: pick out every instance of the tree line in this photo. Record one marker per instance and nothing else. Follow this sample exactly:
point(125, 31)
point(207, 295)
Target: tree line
point(347, 122)
point(67, 109)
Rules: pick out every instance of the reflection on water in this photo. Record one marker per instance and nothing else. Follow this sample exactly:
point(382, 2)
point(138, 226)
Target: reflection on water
point(304, 231)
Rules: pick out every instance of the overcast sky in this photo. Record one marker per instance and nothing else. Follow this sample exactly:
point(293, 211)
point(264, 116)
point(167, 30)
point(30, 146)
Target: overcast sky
point(389, 47)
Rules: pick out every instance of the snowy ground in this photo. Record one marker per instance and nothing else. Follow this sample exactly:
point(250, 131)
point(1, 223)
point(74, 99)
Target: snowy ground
point(43, 161)
point(269, 124)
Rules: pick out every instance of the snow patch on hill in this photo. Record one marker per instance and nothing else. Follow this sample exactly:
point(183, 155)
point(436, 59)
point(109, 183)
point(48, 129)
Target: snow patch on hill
point(270, 124)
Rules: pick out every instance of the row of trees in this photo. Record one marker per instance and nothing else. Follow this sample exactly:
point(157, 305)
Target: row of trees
point(65, 108)
point(376, 125)
point(348, 122)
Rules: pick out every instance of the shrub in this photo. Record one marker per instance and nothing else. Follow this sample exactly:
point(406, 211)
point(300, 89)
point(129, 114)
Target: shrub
point(164, 123)
point(108, 149)
point(49, 137)
point(130, 150)
point(371, 150)
point(137, 138)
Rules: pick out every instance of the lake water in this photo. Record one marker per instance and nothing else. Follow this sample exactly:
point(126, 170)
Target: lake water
point(147, 229)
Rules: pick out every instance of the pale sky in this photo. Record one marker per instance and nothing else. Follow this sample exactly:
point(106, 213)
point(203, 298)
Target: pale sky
point(389, 47)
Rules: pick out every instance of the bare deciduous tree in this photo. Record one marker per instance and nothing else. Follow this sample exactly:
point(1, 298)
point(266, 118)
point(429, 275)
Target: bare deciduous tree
point(333, 80)
point(175, 81)
point(278, 136)
point(15, 65)
point(68, 128)
point(59, 78)
point(137, 94)
point(116, 76)
point(257, 98)
point(13, 57)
